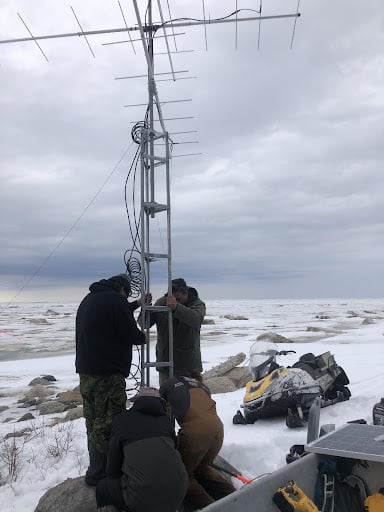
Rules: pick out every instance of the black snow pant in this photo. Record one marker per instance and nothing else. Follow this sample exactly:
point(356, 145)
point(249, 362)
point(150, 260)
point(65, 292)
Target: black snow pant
point(108, 492)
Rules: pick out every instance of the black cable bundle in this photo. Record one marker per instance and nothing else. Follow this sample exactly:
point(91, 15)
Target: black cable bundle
point(136, 130)
point(133, 266)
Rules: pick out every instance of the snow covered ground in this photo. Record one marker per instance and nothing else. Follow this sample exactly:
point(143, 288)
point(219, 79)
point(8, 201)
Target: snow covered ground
point(351, 329)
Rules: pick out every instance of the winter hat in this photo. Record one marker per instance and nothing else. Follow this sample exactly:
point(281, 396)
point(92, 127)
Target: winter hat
point(146, 391)
point(122, 280)
point(179, 284)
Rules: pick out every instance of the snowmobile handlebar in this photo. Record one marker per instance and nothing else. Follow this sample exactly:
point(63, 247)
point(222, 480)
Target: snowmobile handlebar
point(285, 352)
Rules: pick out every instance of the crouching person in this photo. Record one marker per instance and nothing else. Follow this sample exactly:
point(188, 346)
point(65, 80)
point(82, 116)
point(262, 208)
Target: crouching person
point(199, 439)
point(145, 472)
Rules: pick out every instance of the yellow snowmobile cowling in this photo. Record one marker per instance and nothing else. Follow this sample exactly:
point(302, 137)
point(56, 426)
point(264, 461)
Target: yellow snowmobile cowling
point(254, 390)
point(283, 389)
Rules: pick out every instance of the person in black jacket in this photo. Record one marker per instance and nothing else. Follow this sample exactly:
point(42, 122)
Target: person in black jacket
point(145, 472)
point(105, 333)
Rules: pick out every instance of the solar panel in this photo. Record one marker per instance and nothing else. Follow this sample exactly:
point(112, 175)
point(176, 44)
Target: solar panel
point(353, 440)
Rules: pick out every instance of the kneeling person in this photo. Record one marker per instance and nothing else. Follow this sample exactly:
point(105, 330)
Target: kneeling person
point(200, 437)
point(145, 472)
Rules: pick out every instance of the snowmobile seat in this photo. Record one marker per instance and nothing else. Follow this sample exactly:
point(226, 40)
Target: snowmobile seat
point(308, 363)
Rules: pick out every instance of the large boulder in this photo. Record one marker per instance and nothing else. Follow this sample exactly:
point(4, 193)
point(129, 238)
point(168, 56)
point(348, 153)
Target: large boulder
point(220, 385)
point(51, 407)
point(70, 397)
point(235, 317)
point(39, 380)
point(239, 376)
point(72, 495)
point(38, 391)
point(73, 414)
point(273, 337)
point(223, 368)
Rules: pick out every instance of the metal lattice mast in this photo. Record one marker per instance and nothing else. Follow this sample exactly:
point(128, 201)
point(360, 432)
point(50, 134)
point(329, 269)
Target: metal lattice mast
point(149, 206)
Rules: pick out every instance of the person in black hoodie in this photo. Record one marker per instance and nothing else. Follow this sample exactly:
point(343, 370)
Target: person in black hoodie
point(105, 333)
point(145, 472)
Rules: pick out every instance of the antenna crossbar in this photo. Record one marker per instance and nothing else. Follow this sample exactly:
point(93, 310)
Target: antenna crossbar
point(147, 28)
point(155, 74)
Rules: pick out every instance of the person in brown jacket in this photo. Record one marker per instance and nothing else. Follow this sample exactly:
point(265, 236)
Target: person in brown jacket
point(199, 439)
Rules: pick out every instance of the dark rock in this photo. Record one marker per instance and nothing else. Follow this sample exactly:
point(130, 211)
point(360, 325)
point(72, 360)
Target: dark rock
point(3, 408)
point(38, 321)
point(50, 378)
point(72, 495)
point(20, 433)
point(39, 380)
point(68, 407)
point(73, 414)
point(26, 403)
point(27, 416)
point(51, 407)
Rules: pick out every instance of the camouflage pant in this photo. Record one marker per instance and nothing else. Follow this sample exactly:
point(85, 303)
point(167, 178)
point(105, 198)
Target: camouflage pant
point(103, 397)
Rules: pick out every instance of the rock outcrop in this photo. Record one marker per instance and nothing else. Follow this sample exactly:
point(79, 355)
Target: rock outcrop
point(74, 495)
point(273, 337)
point(227, 376)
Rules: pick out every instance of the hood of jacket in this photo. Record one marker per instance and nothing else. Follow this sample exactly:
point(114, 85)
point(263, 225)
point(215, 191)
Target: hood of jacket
point(192, 294)
point(104, 285)
point(150, 405)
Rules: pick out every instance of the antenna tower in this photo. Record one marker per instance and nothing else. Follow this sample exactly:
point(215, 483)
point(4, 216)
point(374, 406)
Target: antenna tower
point(146, 136)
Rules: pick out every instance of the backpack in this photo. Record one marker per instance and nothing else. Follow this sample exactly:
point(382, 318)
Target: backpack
point(336, 489)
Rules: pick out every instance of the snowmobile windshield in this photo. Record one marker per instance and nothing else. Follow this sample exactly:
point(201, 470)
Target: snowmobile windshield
point(261, 355)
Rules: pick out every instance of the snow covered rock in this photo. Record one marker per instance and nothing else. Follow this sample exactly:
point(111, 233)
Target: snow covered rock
point(220, 385)
point(273, 337)
point(72, 495)
point(51, 407)
point(223, 368)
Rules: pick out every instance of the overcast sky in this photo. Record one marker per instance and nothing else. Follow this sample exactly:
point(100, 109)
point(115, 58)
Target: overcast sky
point(286, 199)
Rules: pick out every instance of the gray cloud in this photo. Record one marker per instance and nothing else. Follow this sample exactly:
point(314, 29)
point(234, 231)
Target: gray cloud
point(286, 199)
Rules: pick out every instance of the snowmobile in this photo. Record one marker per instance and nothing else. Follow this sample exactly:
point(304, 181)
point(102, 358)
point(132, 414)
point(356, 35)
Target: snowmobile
point(278, 390)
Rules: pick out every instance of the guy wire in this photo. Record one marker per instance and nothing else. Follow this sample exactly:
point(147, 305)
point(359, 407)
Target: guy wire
point(70, 229)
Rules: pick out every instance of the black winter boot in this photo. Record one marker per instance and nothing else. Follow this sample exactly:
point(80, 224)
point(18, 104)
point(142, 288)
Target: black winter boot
point(97, 465)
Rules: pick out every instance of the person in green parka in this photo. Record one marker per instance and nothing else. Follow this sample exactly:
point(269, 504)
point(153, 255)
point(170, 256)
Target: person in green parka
point(188, 312)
